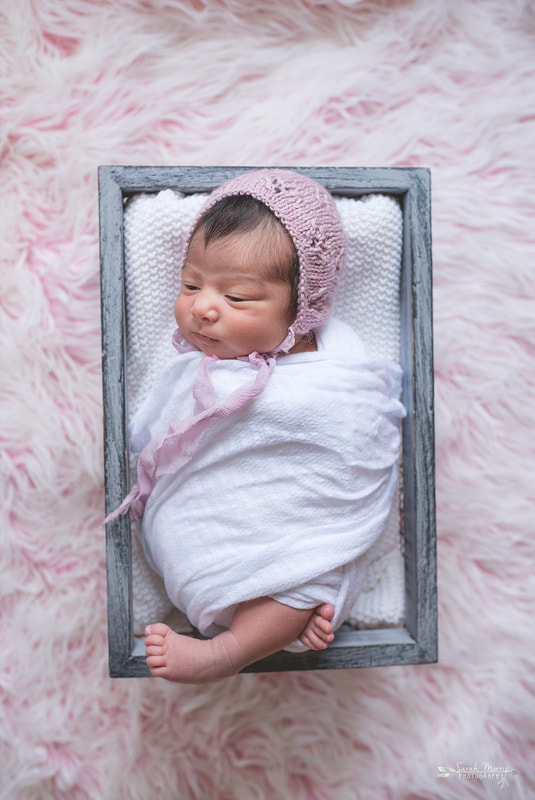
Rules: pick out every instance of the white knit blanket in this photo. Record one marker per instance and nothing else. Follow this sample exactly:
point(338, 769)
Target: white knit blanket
point(368, 299)
point(284, 497)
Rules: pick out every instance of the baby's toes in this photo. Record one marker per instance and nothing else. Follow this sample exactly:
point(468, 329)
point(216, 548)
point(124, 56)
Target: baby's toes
point(324, 626)
point(158, 629)
point(155, 661)
point(154, 641)
point(153, 650)
point(155, 635)
point(325, 636)
point(325, 611)
point(313, 641)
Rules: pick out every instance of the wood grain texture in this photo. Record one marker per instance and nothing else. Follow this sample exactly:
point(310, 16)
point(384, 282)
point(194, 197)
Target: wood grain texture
point(118, 553)
point(416, 642)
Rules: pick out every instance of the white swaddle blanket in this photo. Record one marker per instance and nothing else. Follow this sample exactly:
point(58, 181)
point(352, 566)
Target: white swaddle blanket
point(285, 497)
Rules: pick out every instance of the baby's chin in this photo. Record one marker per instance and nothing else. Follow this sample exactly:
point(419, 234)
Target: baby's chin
point(213, 347)
point(223, 350)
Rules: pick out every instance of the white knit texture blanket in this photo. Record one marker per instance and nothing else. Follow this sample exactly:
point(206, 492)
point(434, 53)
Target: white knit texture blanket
point(368, 300)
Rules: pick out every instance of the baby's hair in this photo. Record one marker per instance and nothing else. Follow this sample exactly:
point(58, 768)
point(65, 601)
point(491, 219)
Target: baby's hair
point(244, 213)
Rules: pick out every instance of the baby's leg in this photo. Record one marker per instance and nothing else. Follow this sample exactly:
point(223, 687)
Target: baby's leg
point(319, 630)
point(260, 627)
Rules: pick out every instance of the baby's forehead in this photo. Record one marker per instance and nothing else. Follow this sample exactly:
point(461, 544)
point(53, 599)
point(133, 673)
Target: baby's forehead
point(256, 252)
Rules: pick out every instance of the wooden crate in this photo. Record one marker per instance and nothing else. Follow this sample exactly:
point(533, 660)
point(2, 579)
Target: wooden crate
point(416, 641)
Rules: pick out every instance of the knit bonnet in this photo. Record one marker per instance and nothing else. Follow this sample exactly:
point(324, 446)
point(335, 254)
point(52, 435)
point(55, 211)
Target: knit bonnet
point(309, 214)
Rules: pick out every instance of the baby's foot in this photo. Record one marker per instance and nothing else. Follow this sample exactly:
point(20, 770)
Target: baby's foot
point(183, 659)
point(318, 631)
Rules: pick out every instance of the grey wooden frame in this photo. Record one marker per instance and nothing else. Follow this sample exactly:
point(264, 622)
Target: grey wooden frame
point(416, 641)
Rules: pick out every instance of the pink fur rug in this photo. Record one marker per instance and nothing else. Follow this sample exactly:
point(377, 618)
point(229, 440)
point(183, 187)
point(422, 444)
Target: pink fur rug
point(449, 85)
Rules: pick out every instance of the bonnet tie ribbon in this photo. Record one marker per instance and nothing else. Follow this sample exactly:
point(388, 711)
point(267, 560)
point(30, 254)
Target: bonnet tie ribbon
point(169, 452)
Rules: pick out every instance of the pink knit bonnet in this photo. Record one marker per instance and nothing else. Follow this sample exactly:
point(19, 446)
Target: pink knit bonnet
point(309, 214)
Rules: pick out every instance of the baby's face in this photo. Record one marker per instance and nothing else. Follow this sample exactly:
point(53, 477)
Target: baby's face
point(226, 306)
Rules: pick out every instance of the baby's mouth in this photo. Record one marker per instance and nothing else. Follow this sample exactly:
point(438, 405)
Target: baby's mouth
point(203, 338)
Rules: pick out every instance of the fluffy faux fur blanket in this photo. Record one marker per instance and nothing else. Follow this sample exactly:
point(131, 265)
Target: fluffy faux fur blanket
point(447, 85)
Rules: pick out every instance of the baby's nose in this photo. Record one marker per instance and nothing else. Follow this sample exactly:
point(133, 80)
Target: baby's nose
point(203, 308)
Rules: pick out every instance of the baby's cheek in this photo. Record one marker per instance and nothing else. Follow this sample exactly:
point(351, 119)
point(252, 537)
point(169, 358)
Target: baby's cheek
point(179, 309)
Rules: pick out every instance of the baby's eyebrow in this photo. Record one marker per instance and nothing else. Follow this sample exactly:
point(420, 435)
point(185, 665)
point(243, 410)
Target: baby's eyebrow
point(194, 272)
point(241, 277)
point(188, 266)
point(188, 275)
